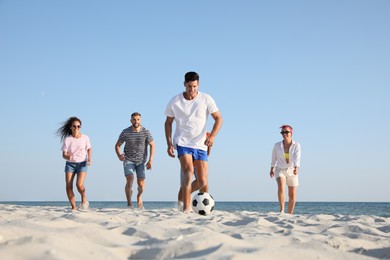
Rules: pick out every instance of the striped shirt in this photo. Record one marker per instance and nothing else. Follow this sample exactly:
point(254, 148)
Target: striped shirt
point(136, 144)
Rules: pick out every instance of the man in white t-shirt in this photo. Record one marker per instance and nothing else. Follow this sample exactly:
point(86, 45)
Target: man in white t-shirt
point(190, 110)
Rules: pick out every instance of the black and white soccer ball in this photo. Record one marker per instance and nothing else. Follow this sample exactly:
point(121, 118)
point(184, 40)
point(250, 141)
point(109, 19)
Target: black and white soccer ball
point(203, 203)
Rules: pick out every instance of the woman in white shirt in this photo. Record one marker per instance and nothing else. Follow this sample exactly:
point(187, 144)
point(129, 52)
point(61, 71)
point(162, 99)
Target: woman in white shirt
point(286, 160)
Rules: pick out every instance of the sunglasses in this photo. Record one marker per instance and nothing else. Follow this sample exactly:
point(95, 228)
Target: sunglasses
point(76, 126)
point(285, 132)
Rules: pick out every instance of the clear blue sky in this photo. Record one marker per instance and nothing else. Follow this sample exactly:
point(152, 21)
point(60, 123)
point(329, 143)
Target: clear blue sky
point(321, 66)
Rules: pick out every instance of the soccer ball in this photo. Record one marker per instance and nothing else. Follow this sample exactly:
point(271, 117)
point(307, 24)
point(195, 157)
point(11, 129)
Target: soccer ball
point(203, 203)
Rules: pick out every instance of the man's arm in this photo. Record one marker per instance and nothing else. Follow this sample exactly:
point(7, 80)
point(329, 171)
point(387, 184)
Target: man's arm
point(151, 155)
point(118, 151)
point(168, 136)
point(217, 125)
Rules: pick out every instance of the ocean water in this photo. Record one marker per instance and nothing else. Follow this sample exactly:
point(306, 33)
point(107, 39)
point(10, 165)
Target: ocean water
point(381, 209)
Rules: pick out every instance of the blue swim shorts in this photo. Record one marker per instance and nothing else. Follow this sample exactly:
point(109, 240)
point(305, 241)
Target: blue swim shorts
point(76, 167)
point(197, 154)
point(130, 168)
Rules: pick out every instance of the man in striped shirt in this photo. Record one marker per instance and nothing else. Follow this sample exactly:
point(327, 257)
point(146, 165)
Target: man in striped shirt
point(135, 156)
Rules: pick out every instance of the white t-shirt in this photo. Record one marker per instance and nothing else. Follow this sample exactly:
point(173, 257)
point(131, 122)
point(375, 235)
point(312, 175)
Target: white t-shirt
point(191, 119)
point(76, 147)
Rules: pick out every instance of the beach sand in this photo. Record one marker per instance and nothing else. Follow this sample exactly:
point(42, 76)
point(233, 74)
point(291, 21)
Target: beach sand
point(46, 232)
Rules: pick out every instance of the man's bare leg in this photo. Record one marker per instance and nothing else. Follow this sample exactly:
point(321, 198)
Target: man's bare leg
point(141, 185)
point(129, 189)
point(188, 169)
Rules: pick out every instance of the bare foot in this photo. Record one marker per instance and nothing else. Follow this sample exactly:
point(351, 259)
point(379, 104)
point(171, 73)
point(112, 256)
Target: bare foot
point(187, 210)
point(84, 206)
point(140, 202)
point(180, 205)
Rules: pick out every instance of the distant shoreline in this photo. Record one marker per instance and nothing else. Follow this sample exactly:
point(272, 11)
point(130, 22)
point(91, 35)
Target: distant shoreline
point(343, 208)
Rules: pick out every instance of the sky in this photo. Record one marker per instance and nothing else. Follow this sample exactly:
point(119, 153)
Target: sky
point(321, 66)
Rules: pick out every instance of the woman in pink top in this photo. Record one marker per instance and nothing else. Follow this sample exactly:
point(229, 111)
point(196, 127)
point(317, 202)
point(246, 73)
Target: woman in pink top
point(76, 150)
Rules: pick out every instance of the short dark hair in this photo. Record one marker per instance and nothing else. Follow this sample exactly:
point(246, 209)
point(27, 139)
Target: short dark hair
point(191, 76)
point(135, 114)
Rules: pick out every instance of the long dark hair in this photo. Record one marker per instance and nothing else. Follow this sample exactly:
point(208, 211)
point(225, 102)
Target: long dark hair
point(64, 131)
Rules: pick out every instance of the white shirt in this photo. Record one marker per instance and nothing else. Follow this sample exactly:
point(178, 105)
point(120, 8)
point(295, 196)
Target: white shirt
point(278, 159)
point(191, 119)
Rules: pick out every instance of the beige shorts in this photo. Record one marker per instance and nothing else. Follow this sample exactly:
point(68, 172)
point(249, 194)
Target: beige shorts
point(288, 175)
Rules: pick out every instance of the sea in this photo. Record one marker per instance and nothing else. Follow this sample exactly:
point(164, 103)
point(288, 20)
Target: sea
point(381, 209)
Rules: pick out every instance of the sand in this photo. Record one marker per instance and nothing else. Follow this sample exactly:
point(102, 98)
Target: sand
point(51, 232)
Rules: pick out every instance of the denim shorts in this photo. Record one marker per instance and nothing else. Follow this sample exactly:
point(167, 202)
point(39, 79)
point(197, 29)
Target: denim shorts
point(130, 168)
point(197, 154)
point(76, 167)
